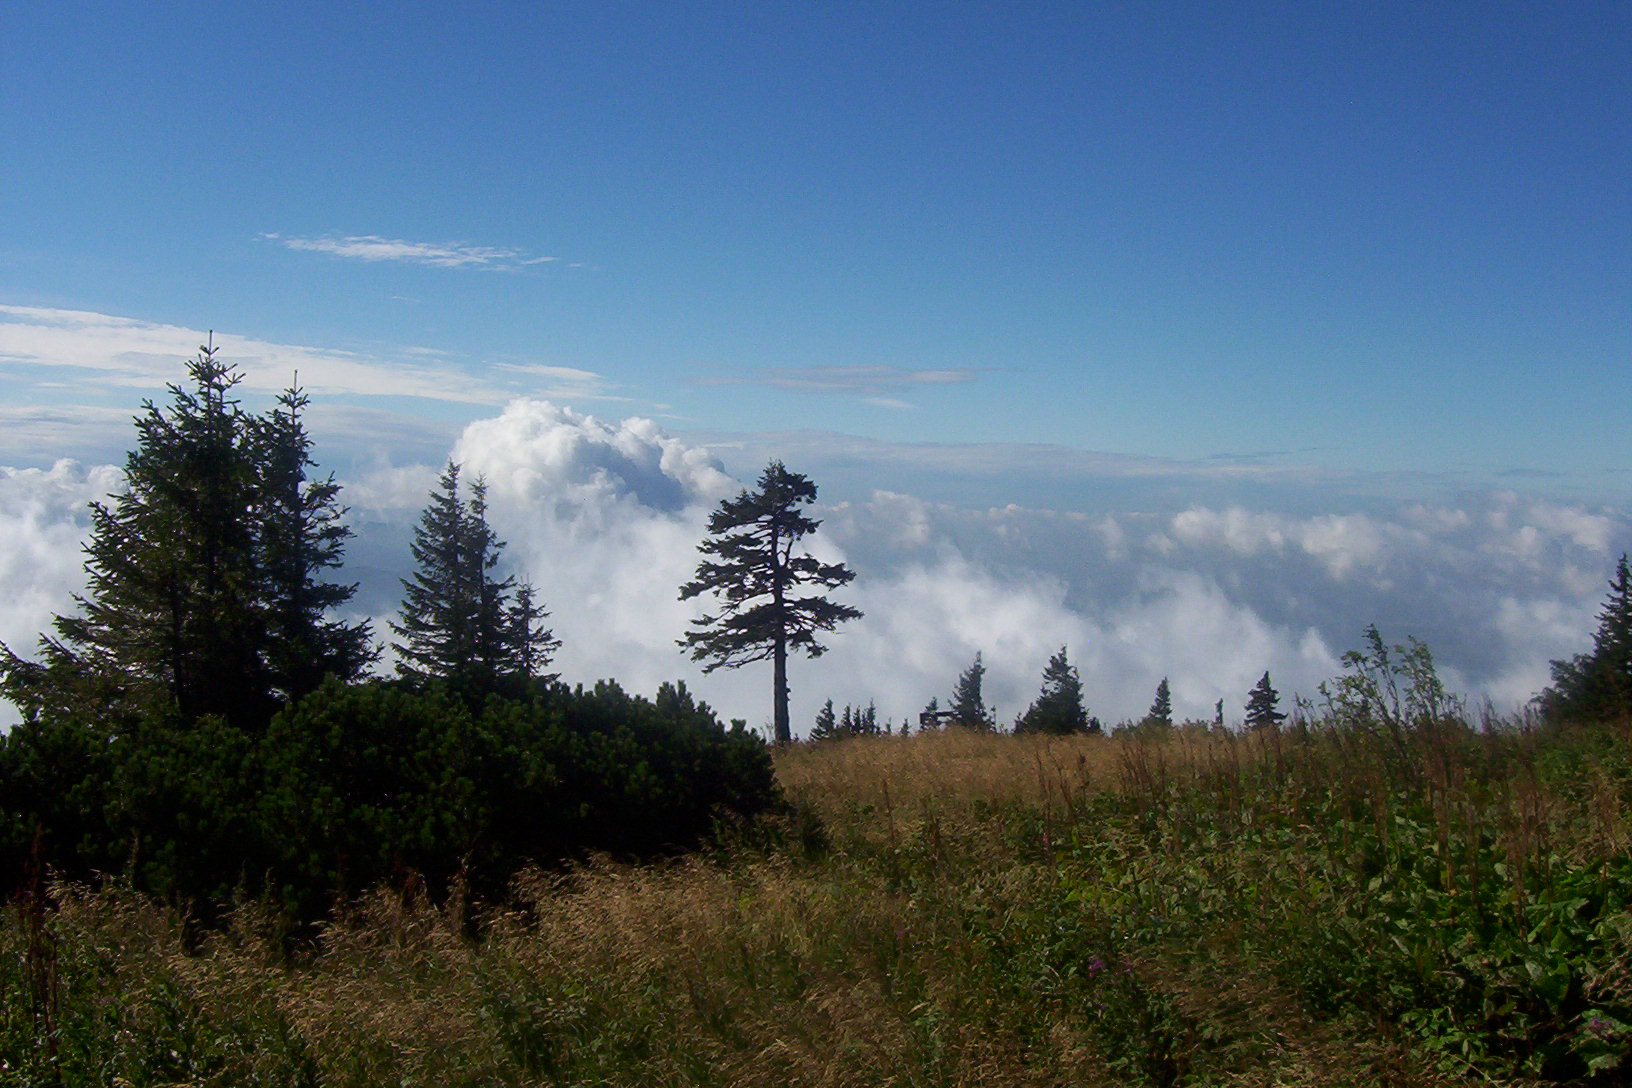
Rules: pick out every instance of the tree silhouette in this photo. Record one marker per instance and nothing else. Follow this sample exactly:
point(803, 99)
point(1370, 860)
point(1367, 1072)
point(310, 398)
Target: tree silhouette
point(968, 706)
point(302, 535)
point(1161, 708)
point(1058, 709)
point(1598, 684)
point(459, 623)
point(204, 574)
point(755, 575)
point(1262, 704)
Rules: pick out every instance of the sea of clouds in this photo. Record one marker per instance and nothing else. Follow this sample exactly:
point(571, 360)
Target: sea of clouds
point(604, 517)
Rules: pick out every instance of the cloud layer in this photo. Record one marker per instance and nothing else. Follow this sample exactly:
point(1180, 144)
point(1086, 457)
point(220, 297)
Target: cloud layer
point(67, 378)
point(871, 381)
point(373, 248)
point(604, 518)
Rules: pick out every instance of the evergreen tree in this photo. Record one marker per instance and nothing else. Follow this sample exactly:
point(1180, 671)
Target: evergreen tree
point(1161, 708)
point(203, 573)
point(531, 643)
point(303, 535)
point(1612, 645)
point(460, 623)
point(1262, 704)
point(967, 706)
point(827, 723)
point(755, 576)
point(1058, 709)
point(930, 717)
point(1598, 684)
point(866, 721)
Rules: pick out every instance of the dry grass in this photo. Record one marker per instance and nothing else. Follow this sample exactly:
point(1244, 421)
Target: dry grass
point(939, 940)
point(957, 765)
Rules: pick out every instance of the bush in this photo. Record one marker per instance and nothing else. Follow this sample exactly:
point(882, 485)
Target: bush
point(362, 784)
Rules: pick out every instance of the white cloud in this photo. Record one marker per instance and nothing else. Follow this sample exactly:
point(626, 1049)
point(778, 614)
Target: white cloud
point(373, 248)
point(604, 516)
point(44, 519)
point(557, 382)
point(73, 380)
point(546, 455)
point(147, 355)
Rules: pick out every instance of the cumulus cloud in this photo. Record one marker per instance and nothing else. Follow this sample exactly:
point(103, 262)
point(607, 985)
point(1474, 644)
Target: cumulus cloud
point(44, 518)
point(604, 517)
point(373, 248)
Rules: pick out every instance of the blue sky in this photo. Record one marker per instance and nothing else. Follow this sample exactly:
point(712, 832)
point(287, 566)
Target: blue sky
point(1322, 260)
point(1363, 235)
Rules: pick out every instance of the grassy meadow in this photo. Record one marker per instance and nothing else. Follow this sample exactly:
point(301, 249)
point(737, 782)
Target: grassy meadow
point(1320, 906)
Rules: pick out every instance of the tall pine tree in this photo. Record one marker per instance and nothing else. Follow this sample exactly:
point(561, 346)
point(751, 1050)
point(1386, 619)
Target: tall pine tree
point(302, 535)
point(756, 576)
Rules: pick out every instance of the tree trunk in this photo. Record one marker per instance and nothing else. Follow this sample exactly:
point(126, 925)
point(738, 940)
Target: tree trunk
point(780, 727)
point(784, 734)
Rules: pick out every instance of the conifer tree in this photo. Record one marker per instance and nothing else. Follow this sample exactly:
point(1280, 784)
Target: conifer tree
point(459, 622)
point(755, 576)
point(866, 720)
point(968, 706)
point(1612, 645)
point(1262, 705)
point(203, 574)
point(1161, 708)
point(1058, 709)
point(827, 723)
point(530, 642)
point(1598, 684)
point(302, 535)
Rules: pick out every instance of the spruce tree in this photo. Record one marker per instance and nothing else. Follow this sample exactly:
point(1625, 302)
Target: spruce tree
point(755, 576)
point(203, 592)
point(302, 535)
point(172, 602)
point(1612, 645)
point(1598, 684)
point(827, 723)
point(968, 706)
point(1262, 705)
point(459, 622)
point(531, 643)
point(866, 720)
point(1161, 708)
point(1058, 709)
